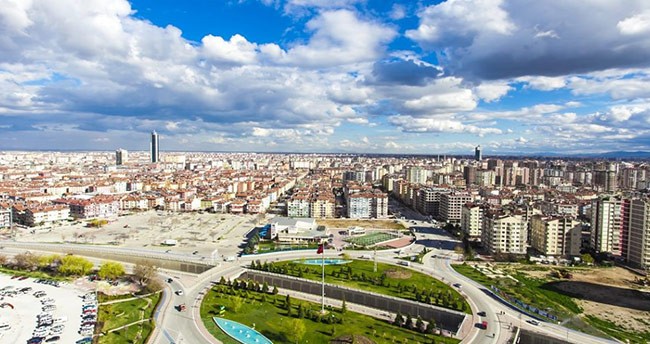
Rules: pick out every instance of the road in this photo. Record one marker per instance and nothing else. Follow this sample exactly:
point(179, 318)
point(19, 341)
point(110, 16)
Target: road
point(186, 327)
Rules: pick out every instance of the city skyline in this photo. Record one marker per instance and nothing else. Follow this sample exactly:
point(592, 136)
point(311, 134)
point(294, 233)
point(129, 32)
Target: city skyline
point(345, 76)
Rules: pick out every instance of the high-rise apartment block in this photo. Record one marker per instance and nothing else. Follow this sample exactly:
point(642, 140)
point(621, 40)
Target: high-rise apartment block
point(154, 147)
point(451, 206)
point(555, 236)
point(608, 219)
point(504, 234)
point(471, 220)
point(121, 157)
point(638, 248)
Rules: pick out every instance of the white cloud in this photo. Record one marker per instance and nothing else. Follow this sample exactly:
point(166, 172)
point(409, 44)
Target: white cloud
point(500, 39)
point(397, 12)
point(439, 125)
point(544, 83)
point(341, 37)
point(636, 24)
point(492, 91)
point(236, 50)
point(460, 20)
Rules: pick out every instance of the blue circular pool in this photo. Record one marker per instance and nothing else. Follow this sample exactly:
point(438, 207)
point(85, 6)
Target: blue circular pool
point(327, 261)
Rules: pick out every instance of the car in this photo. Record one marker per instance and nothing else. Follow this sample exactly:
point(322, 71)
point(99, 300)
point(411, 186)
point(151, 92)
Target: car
point(481, 313)
point(179, 292)
point(35, 340)
point(53, 339)
point(84, 340)
point(533, 322)
point(195, 252)
point(482, 325)
point(169, 280)
point(457, 285)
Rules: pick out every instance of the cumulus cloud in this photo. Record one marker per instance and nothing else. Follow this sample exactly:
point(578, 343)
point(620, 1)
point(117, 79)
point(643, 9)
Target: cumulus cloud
point(492, 91)
point(512, 38)
point(439, 125)
point(341, 37)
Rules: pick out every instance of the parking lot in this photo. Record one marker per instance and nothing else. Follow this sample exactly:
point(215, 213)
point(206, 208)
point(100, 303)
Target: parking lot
point(57, 309)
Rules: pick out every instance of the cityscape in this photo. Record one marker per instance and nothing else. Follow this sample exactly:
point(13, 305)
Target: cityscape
point(303, 171)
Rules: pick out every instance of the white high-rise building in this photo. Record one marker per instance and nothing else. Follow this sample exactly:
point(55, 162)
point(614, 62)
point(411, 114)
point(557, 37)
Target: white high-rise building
point(505, 234)
point(471, 220)
point(607, 221)
point(555, 236)
point(121, 156)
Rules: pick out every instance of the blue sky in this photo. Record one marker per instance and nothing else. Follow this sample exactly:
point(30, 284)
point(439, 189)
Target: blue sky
point(515, 76)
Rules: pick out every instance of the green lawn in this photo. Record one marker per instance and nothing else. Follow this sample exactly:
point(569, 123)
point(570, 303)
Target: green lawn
point(371, 238)
point(35, 274)
point(533, 291)
point(270, 317)
point(128, 335)
point(118, 314)
point(389, 279)
point(615, 331)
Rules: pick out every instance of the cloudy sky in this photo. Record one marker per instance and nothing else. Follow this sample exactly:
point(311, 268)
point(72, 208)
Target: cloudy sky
point(515, 76)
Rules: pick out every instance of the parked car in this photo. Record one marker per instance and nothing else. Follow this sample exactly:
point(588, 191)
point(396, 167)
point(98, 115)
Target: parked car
point(53, 339)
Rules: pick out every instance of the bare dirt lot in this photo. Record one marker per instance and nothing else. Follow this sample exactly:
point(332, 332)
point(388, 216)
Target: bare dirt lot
point(608, 293)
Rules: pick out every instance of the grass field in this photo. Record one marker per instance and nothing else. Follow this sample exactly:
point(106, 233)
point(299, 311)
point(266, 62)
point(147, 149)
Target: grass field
point(114, 315)
point(370, 238)
point(268, 314)
point(388, 280)
point(346, 223)
point(532, 291)
point(616, 332)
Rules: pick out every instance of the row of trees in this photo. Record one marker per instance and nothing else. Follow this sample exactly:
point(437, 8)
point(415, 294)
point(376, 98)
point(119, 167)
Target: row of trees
point(145, 274)
point(415, 325)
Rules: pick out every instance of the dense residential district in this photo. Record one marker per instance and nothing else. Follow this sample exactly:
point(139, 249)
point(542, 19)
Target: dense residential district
point(551, 207)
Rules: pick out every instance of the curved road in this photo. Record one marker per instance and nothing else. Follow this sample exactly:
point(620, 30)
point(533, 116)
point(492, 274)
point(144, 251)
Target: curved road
point(186, 327)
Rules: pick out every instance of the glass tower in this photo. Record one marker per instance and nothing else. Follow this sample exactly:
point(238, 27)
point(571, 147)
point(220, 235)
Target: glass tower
point(154, 147)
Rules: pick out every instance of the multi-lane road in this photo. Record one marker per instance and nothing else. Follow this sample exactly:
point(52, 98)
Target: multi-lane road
point(175, 326)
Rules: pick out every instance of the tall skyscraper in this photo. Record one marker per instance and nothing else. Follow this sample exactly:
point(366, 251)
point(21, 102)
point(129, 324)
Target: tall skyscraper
point(154, 147)
point(638, 252)
point(121, 156)
point(477, 153)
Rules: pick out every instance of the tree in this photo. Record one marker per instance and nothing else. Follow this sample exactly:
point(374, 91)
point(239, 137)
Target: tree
point(144, 272)
point(236, 303)
point(110, 270)
point(275, 290)
point(3, 259)
point(48, 261)
point(26, 261)
point(75, 265)
point(587, 259)
point(287, 304)
point(297, 330)
point(344, 307)
point(399, 319)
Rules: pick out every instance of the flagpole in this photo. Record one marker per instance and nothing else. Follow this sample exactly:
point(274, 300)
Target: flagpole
point(322, 265)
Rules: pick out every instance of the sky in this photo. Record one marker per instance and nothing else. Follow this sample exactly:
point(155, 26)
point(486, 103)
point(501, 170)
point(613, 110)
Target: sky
point(351, 76)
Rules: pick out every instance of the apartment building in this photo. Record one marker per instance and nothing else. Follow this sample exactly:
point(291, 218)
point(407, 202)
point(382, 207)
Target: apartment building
point(471, 220)
point(451, 206)
point(638, 249)
point(608, 219)
point(504, 233)
point(556, 236)
point(36, 214)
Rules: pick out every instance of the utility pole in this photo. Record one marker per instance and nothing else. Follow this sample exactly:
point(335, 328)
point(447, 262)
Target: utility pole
point(375, 258)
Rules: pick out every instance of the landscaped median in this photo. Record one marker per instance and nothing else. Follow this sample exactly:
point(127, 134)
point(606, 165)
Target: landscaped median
point(283, 319)
point(389, 280)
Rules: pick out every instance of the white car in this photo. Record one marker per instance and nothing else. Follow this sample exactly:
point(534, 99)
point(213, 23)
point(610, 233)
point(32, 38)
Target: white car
point(179, 292)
